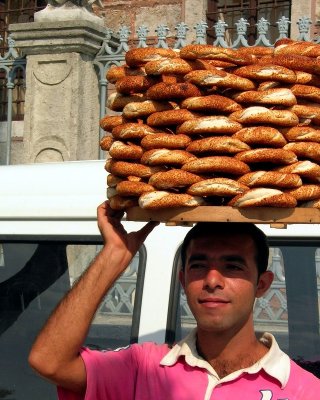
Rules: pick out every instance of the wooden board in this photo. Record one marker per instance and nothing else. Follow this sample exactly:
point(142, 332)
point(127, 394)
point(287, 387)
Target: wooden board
point(262, 215)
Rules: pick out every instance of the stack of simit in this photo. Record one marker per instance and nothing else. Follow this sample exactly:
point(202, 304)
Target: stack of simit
point(213, 126)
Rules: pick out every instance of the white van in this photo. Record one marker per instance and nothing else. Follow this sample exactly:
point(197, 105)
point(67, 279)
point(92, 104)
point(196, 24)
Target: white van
point(48, 236)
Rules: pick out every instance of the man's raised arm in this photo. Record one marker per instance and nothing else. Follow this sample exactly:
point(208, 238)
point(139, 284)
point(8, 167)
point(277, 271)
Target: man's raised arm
point(55, 353)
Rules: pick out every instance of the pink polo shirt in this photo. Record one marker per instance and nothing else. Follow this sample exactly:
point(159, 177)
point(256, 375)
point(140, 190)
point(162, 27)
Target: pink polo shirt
point(149, 371)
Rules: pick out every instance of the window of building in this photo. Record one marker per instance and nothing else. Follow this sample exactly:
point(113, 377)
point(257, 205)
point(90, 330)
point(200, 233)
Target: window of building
point(230, 11)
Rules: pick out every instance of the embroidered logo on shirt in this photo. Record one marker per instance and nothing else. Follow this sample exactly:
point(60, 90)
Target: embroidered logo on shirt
point(267, 395)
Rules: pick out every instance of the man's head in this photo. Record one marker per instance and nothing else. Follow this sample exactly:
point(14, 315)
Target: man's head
point(207, 229)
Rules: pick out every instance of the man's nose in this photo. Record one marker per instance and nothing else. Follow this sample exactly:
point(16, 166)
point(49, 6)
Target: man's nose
point(213, 279)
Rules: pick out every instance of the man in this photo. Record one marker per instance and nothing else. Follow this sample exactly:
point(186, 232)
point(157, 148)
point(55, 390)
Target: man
point(223, 271)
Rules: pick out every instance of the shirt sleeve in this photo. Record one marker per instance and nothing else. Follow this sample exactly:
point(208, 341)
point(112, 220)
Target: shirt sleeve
point(110, 374)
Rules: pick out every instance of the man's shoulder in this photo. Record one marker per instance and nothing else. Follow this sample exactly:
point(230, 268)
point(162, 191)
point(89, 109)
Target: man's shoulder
point(307, 371)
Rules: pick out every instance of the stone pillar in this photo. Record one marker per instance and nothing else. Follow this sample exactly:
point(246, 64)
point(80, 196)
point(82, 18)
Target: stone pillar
point(62, 94)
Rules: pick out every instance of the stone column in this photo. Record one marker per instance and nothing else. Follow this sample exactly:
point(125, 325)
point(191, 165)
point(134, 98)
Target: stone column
point(62, 94)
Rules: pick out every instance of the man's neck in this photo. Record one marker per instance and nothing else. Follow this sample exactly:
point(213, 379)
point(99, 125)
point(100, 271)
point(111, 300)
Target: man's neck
point(227, 355)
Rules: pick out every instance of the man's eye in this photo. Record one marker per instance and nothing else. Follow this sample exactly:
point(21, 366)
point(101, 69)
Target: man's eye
point(234, 267)
point(197, 266)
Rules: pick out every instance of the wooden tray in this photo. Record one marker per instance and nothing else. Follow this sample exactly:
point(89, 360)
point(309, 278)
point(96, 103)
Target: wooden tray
point(261, 215)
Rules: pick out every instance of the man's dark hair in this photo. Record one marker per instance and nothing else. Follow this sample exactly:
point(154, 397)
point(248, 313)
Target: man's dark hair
point(202, 229)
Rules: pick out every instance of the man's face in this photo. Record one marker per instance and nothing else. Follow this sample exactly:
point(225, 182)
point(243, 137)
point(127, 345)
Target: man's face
point(221, 281)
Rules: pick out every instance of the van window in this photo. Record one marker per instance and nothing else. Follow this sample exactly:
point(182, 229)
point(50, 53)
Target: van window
point(33, 279)
point(289, 310)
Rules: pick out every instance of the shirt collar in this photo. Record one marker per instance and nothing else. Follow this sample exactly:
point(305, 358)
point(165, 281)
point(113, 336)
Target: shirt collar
point(275, 362)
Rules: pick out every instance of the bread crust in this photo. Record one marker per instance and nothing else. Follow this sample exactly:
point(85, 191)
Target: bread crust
point(305, 192)
point(210, 52)
point(269, 72)
point(125, 168)
point(262, 115)
point(134, 84)
point(143, 109)
point(118, 202)
point(311, 204)
point(170, 91)
point(108, 122)
point(122, 151)
point(132, 130)
point(127, 188)
point(211, 103)
point(117, 72)
point(162, 199)
point(140, 56)
point(305, 150)
point(106, 142)
point(263, 197)
point(267, 155)
point(173, 178)
point(217, 187)
point(217, 145)
point(306, 169)
point(165, 140)
point(117, 101)
point(297, 62)
point(217, 164)
point(265, 136)
point(302, 134)
point(308, 49)
point(306, 111)
point(219, 125)
point(278, 96)
point(307, 92)
point(271, 179)
point(165, 66)
point(220, 78)
point(170, 117)
point(166, 157)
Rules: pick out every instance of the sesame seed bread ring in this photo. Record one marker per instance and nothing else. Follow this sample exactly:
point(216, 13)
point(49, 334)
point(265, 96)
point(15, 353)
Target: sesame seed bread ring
point(216, 164)
point(118, 202)
point(165, 140)
point(308, 49)
point(217, 144)
point(166, 157)
point(170, 91)
point(168, 66)
point(219, 125)
point(162, 199)
point(266, 85)
point(264, 136)
point(305, 192)
point(117, 101)
point(211, 103)
point(220, 78)
point(134, 84)
point(306, 78)
point(108, 122)
point(263, 115)
point(263, 197)
point(125, 168)
point(311, 93)
point(140, 56)
point(123, 151)
point(277, 96)
point(209, 52)
point(270, 178)
point(297, 62)
point(311, 204)
point(266, 72)
point(306, 111)
point(173, 178)
point(113, 180)
point(306, 150)
point(106, 142)
point(302, 133)
point(129, 188)
point(306, 169)
point(170, 117)
point(217, 187)
point(143, 109)
point(267, 155)
point(117, 72)
point(258, 51)
point(132, 130)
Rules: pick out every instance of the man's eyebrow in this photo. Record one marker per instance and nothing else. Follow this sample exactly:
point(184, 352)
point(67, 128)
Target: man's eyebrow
point(235, 258)
point(228, 258)
point(197, 257)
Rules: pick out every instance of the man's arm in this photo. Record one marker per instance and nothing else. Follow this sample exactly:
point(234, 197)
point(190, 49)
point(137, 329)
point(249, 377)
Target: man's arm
point(55, 353)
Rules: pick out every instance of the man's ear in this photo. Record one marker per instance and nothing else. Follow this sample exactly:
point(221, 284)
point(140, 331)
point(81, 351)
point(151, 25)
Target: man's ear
point(182, 278)
point(264, 283)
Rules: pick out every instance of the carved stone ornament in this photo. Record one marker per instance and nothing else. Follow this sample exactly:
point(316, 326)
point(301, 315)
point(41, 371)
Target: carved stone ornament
point(75, 3)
